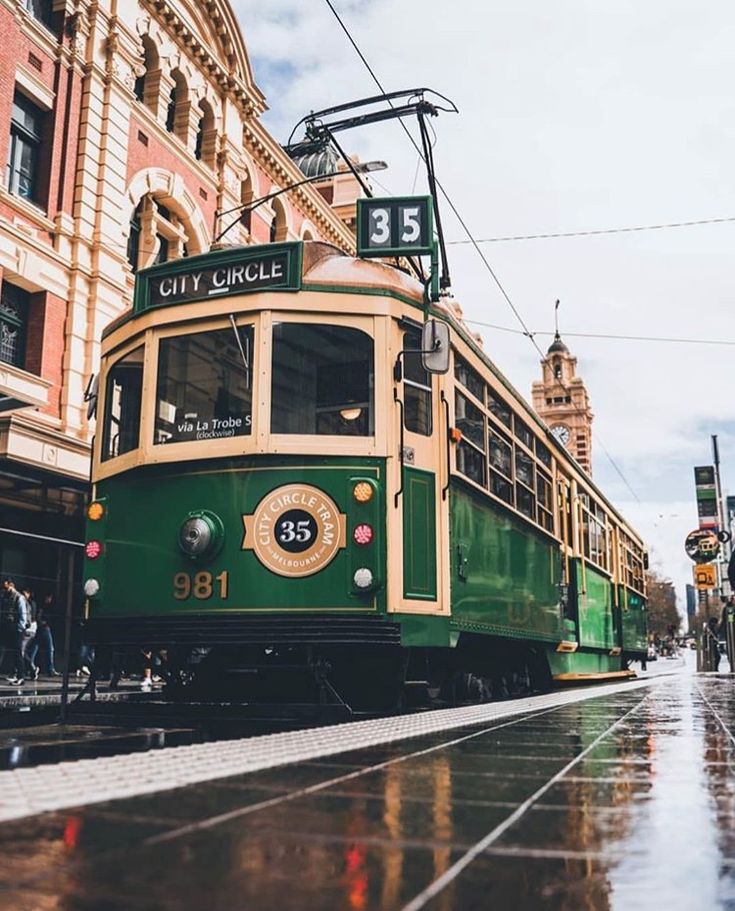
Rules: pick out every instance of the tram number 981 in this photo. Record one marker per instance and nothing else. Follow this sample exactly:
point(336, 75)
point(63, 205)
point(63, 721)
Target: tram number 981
point(202, 585)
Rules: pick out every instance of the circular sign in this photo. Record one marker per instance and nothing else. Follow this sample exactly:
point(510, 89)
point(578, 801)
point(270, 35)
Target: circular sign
point(702, 545)
point(296, 530)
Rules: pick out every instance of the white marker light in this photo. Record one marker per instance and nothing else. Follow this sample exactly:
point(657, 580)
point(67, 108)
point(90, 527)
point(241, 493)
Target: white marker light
point(363, 577)
point(91, 588)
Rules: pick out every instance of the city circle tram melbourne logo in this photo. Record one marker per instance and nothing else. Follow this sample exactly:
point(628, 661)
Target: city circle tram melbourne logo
point(296, 530)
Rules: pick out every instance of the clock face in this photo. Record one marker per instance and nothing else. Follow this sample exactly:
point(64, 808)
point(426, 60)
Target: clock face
point(561, 432)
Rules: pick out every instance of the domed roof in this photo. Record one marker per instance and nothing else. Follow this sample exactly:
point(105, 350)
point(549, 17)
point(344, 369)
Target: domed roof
point(314, 160)
point(557, 346)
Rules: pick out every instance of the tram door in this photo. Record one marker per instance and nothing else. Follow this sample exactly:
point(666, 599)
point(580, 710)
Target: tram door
point(419, 509)
point(568, 598)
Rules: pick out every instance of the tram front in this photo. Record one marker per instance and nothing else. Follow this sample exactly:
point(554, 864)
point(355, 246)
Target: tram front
point(241, 468)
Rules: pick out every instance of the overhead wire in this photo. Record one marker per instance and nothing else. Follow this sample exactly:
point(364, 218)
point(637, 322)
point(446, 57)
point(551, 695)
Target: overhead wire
point(598, 231)
point(609, 336)
point(470, 238)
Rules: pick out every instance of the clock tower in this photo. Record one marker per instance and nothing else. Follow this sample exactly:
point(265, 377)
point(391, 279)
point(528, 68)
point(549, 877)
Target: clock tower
point(561, 400)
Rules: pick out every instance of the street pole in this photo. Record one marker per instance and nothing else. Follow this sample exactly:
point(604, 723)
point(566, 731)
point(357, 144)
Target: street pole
point(725, 550)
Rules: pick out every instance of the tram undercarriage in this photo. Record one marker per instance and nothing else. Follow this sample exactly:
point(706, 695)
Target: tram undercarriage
point(361, 678)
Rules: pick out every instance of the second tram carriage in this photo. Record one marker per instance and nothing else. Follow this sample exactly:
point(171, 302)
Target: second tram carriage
point(273, 495)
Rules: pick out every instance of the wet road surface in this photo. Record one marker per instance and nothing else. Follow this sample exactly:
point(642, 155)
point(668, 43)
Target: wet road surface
point(623, 801)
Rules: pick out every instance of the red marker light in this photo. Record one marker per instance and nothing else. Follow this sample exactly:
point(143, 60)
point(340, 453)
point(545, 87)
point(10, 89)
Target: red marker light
point(363, 534)
point(92, 549)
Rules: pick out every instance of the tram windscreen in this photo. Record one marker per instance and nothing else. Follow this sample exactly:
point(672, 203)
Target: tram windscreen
point(124, 388)
point(322, 380)
point(204, 387)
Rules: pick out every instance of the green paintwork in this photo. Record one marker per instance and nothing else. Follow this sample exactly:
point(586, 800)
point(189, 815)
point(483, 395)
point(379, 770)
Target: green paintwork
point(594, 608)
point(425, 631)
point(419, 534)
point(505, 574)
point(142, 555)
point(584, 662)
point(635, 620)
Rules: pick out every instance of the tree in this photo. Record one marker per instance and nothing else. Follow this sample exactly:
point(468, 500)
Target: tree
point(662, 612)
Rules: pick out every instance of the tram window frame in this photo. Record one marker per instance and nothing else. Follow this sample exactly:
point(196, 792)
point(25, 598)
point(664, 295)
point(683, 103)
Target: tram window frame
point(594, 532)
point(470, 420)
point(504, 452)
point(205, 404)
point(418, 400)
point(499, 408)
point(129, 410)
point(331, 417)
point(469, 379)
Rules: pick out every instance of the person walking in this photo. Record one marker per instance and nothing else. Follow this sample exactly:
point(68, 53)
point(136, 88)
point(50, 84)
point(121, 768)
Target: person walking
point(29, 635)
point(14, 626)
point(45, 616)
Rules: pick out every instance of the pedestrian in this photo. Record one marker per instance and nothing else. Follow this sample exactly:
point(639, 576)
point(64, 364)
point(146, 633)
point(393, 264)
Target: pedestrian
point(45, 616)
point(8, 595)
point(15, 622)
point(713, 641)
point(29, 636)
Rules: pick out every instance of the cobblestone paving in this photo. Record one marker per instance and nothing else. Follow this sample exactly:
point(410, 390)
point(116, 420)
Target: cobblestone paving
point(622, 801)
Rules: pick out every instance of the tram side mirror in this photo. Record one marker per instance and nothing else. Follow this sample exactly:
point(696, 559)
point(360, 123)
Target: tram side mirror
point(90, 395)
point(645, 560)
point(435, 347)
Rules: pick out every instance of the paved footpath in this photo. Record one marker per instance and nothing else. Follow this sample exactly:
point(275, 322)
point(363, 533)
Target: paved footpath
point(621, 800)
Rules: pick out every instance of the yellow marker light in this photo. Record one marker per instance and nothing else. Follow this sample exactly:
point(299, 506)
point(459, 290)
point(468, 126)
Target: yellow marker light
point(95, 511)
point(363, 492)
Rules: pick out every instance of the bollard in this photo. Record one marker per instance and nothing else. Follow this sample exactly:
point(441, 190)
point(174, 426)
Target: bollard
point(705, 658)
point(729, 618)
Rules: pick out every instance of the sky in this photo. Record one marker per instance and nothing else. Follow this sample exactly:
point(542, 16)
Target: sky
point(575, 115)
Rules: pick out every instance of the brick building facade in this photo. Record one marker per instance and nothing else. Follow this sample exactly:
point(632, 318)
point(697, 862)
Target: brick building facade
point(126, 126)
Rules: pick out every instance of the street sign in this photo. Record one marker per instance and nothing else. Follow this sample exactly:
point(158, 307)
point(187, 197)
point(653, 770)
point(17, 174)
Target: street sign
point(705, 577)
point(701, 545)
point(395, 226)
point(706, 491)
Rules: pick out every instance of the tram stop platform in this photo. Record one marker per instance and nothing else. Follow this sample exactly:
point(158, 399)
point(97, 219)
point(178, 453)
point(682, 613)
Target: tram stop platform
point(618, 797)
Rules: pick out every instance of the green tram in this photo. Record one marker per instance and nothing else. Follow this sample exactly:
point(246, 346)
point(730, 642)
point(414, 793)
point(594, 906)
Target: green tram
point(285, 496)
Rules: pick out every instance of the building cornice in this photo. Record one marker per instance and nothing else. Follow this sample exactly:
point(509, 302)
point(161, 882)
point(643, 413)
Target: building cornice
point(248, 99)
point(283, 172)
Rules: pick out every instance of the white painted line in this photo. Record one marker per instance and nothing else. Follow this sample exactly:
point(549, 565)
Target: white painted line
point(26, 792)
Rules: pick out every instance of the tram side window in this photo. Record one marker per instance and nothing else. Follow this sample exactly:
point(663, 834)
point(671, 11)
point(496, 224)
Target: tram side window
point(204, 387)
point(121, 431)
point(416, 387)
point(322, 380)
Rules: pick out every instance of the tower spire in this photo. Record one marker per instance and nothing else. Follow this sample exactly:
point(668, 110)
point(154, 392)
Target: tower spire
point(557, 337)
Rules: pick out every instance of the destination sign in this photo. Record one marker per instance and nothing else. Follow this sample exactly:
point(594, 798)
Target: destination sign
point(222, 273)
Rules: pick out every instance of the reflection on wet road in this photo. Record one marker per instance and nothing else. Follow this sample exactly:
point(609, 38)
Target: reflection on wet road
point(618, 802)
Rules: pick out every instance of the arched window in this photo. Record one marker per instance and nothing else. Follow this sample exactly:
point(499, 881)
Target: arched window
point(246, 199)
point(205, 148)
point(279, 225)
point(157, 233)
point(143, 83)
point(176, 119)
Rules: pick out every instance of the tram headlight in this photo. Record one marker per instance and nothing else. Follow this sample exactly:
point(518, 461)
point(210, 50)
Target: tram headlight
point(363, 534)
point(91, 588)
point(362, 492)
point(363, 578)
point(201, 534)
point(92, 549)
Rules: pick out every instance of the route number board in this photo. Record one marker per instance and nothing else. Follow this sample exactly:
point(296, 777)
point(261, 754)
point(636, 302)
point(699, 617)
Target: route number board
point(396, 226)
